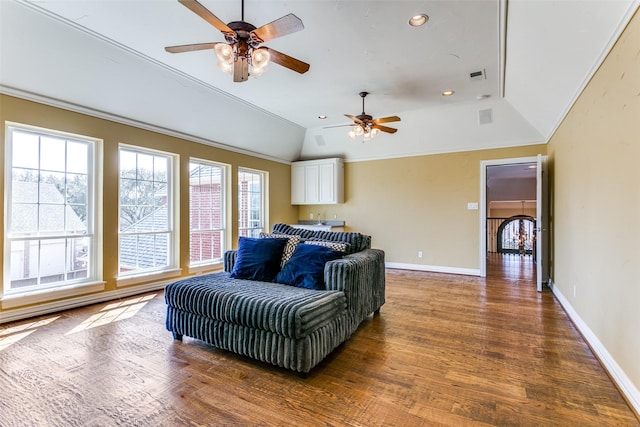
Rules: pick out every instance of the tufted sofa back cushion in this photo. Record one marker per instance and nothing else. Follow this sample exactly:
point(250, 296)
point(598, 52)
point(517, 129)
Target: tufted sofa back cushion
point(356, 242)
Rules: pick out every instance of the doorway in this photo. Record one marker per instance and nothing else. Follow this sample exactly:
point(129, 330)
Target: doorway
point(511, 219)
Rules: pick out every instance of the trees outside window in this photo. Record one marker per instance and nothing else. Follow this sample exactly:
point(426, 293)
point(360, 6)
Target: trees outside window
point(50, 239)
point(146, 229)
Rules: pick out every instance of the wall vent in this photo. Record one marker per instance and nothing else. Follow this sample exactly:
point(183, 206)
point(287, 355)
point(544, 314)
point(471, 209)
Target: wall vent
point(477, 75)
point(485, 116)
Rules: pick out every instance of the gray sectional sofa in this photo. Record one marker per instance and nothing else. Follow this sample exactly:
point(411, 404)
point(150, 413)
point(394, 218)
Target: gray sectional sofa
point(287, 326)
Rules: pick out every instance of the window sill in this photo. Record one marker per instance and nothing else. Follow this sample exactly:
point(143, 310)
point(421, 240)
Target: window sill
point(139, 279)
point(47, 295)
point(206, 268)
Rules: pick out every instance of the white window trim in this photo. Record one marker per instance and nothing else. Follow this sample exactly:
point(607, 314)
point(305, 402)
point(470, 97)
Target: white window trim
point(173, 179)
point(94, 223)
point(265, 198)
point(199, 267)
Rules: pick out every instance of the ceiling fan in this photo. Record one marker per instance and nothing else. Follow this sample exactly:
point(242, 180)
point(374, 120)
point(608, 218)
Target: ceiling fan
point(366, 126)
point(241, 53)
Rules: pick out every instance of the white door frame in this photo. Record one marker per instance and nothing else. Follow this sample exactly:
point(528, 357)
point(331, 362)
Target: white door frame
point(483, 202)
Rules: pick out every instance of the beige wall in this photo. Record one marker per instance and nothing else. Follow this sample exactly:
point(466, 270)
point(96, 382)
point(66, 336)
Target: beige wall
point(418, 204)
point(595, 156)
point(31, 113)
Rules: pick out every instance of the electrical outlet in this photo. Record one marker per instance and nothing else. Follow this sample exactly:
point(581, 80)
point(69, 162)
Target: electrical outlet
point(419, 254)
point(310, 216)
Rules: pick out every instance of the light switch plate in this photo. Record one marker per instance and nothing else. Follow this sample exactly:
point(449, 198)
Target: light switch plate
point(472, 206)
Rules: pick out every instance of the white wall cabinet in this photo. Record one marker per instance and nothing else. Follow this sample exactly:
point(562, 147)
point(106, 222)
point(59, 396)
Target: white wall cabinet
point(317, 182)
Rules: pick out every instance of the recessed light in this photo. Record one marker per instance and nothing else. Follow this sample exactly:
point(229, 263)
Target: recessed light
point(448, 93)
point(418, 20)
point(322, 117)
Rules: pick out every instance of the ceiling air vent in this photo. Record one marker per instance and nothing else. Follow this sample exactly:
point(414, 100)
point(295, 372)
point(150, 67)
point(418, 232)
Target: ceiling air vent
point(485, 116)
point(477, 75)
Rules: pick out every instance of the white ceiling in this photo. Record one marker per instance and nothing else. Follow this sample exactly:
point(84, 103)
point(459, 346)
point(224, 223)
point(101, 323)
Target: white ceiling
point(106, 57)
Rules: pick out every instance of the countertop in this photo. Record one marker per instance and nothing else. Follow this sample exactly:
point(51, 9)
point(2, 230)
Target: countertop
point(310, 224)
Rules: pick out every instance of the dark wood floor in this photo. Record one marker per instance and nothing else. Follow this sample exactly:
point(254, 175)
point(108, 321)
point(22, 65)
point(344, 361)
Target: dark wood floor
point(445, 350)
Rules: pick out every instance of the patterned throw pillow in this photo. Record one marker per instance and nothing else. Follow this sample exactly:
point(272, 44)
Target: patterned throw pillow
point(289, 247)
point(342, 247)
point(305, 269)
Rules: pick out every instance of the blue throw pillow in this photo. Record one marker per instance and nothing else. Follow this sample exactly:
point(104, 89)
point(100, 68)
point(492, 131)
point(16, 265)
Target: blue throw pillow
point(305, 268)
point(258, 259)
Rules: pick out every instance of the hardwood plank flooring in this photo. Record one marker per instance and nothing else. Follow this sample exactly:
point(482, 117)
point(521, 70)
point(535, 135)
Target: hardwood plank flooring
point(446, 350)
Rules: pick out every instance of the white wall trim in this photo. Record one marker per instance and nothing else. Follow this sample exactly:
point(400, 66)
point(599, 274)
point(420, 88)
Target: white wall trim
point(19, 299)
point(52, 307)
point(625, 385)
point(64, 105)
point(433, 268)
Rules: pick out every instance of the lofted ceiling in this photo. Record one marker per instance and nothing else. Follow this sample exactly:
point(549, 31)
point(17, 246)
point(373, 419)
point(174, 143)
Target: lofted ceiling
point(107, 58)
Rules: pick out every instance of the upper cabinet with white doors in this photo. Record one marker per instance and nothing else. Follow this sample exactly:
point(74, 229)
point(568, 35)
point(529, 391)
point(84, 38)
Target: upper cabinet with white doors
point(317, 182)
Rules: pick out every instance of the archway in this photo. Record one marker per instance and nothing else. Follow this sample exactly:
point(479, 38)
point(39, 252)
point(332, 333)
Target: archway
point(516, 235)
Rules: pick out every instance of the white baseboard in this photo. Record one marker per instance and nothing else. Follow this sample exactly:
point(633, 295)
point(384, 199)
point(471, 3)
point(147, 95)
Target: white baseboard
point(630, 391)
point(433, 268)
point(52, 307)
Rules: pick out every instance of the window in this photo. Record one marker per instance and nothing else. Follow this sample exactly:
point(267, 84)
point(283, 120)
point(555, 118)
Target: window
point(51, 219)
point(250, 202)
point(146, 231)
point(207, 220)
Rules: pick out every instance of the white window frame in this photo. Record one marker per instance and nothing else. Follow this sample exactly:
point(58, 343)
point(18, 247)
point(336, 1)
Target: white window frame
point(253, 231)
point(132, 277)
point(224, 210)
point(44, 292)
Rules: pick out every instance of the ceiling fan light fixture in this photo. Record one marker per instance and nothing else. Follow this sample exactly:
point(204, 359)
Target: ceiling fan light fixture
point(258, 72)
point(352, 134)
point(260, 59)
point(224, 52)
point(374, 132)
point(226, 67)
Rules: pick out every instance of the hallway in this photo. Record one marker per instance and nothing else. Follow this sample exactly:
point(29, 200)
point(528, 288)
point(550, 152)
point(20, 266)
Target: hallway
point(512, 268)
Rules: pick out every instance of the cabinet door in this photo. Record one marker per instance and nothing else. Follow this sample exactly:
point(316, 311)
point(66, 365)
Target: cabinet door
point(298, 185)
point(327, 183)
point(311, 184)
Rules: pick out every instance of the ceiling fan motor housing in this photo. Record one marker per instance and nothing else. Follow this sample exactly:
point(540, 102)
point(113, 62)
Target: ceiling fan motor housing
point(243, 32)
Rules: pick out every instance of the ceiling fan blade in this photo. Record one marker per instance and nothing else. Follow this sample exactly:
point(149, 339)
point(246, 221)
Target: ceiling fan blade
point(288, 61)
point(385, 129)
point(354, 118)
point(240, 70)
point(206, 14)
point(190, 47)
point(387, 119)
point(337, 126)
point(280, 27)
